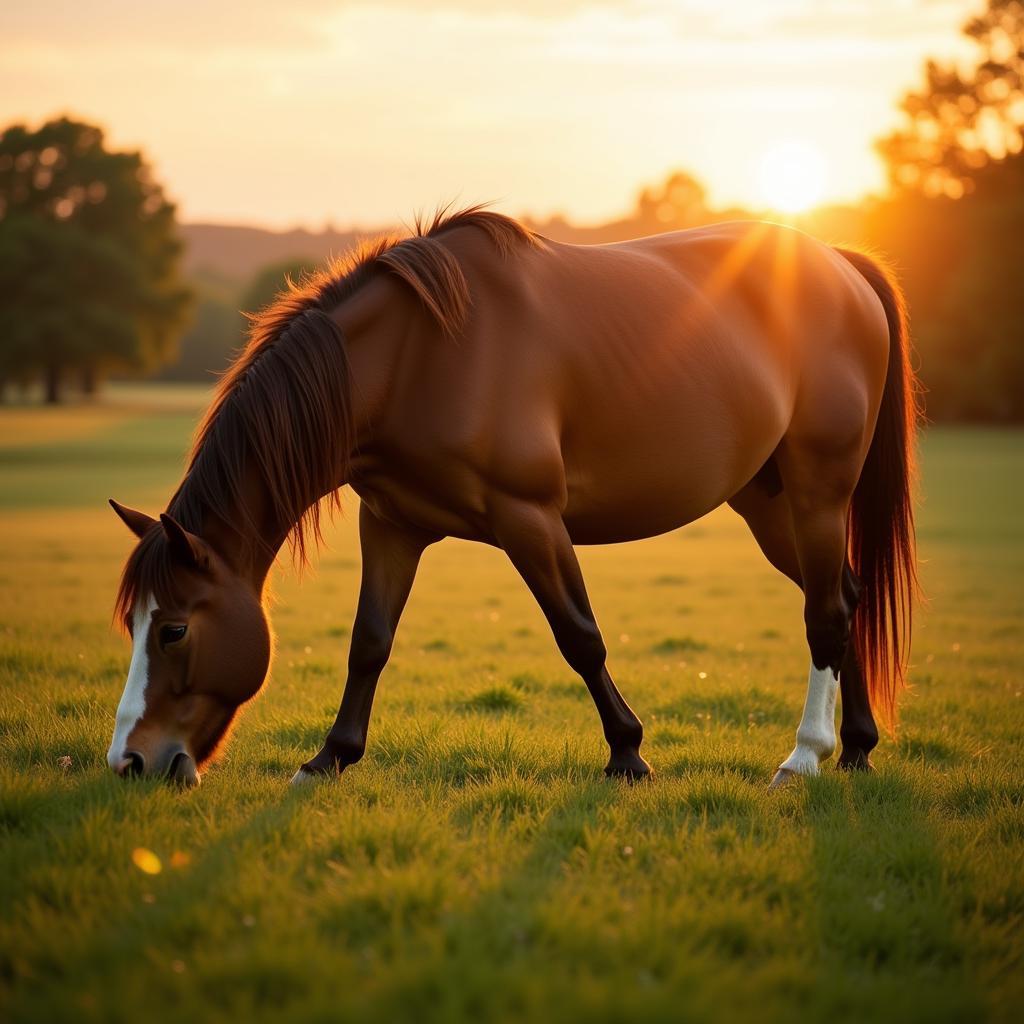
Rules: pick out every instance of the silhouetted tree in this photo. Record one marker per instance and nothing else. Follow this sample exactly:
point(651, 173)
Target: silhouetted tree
point(678, 202)
point(975, 325)
point(960, 121)
point(681, 202)
point(955, 222)
point(88, 258)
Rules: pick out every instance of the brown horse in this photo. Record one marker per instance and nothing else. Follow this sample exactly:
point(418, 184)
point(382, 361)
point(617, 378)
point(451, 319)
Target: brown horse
point(478, 381)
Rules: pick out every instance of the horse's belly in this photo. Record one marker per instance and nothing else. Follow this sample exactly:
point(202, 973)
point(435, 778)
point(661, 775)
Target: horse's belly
point(632, 515)
point(666, 467)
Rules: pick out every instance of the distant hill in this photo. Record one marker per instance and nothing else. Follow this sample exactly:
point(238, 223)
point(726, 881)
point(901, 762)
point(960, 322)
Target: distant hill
point(238, 253)
point(234, 253)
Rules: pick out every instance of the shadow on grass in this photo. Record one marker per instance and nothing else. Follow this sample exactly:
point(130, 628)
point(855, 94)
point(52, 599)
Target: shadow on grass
point(172, 916)
point(889, 934)
point(456, 960)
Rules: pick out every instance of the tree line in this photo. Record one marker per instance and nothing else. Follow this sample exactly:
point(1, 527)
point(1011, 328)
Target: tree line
point(91, 280)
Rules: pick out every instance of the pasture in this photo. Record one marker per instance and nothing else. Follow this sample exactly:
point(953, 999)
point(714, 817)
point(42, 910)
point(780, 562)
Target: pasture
point(476, 865)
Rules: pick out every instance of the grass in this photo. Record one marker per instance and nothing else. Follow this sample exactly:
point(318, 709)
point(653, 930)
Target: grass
point(476, 866)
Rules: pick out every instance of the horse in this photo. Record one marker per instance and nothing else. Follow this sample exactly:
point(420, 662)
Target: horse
point(476, 380)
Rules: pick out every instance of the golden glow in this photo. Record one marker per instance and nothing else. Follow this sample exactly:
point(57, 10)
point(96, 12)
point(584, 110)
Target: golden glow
point(733, 262)
point(784, 276)
point(792, 176)
point(364, 112)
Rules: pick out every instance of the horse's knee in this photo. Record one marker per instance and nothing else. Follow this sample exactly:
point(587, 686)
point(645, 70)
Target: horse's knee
point(369, 653)
point(585, 651)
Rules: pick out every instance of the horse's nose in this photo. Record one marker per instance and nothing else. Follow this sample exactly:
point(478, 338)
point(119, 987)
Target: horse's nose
point(133, 763)
point(183, 770)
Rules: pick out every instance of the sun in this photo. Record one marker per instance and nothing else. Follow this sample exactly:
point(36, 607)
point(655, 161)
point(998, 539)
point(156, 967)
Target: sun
point(791, 175)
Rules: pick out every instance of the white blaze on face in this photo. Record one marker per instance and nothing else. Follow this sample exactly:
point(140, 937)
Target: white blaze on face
point(133, 700)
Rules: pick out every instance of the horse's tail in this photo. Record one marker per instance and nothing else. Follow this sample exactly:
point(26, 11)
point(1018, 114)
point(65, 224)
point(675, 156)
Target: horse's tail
point(881, 533)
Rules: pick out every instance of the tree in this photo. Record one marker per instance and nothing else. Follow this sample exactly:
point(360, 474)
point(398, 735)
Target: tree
point(962, 120)
point(977, 340)
point(955, 222)
point(88, 258)
point(681, 202)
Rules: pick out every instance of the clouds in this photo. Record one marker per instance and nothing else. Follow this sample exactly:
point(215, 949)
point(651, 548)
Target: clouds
point(269, 25)
point(364, 111)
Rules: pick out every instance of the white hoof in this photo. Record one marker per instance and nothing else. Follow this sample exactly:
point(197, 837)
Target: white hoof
point(302, 778)
point(800, 762)
point(816, 734)
point(783, 777)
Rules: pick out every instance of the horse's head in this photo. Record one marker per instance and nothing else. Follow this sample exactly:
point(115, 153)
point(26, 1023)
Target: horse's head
point(201, 648)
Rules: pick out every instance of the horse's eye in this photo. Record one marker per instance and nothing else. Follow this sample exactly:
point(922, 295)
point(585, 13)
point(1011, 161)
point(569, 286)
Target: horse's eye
point(170, 635)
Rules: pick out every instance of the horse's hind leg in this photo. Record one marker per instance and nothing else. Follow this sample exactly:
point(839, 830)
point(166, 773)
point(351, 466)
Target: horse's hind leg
point(536, 541)
point(819, 474)
point(767, 514)
point(857, 729)
point(765, 508)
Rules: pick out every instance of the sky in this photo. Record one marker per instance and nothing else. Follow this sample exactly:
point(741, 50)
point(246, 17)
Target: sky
point(310, 112)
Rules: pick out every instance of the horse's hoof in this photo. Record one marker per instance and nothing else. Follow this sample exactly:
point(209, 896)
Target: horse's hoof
point(855, 761)
point(629, 766)
point(782, 778)
point(303, 777)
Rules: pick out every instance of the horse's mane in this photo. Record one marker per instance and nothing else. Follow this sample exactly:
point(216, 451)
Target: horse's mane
point(284, 404)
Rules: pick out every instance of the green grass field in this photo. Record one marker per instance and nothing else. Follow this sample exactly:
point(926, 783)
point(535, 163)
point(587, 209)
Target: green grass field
point(476, 865)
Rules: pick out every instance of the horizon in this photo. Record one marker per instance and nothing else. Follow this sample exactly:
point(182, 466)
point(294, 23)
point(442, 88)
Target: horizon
point(551, 110)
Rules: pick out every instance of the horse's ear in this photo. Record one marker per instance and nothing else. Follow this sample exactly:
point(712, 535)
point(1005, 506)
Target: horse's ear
point(138, 522)
point(186, 547)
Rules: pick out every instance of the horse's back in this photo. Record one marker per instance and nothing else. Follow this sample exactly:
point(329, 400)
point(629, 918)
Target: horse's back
point(637, 385)
point(683, 358)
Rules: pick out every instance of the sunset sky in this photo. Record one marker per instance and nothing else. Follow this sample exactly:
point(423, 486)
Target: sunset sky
point(310, 111)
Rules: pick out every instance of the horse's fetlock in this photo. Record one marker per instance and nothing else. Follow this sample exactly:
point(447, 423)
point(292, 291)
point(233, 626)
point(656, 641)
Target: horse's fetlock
point(802, 761)
point(820, 741)
point(860, 736)
point(628, 736)
point(346, 750)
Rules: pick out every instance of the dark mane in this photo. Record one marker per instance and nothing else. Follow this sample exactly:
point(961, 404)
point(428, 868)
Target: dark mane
point(284, 404)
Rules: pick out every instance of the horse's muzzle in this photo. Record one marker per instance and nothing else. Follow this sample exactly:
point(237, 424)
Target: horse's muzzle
point(180, 767)
point(131, 765)
point(183, 770)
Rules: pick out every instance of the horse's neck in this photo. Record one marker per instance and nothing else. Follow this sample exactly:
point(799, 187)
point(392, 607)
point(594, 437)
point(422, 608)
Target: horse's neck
point(374, 323)
point(248, 539)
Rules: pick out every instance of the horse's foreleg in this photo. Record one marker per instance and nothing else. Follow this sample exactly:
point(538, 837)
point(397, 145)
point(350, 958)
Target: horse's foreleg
point(771, 523)
point(390, 558)
point(538, 545)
